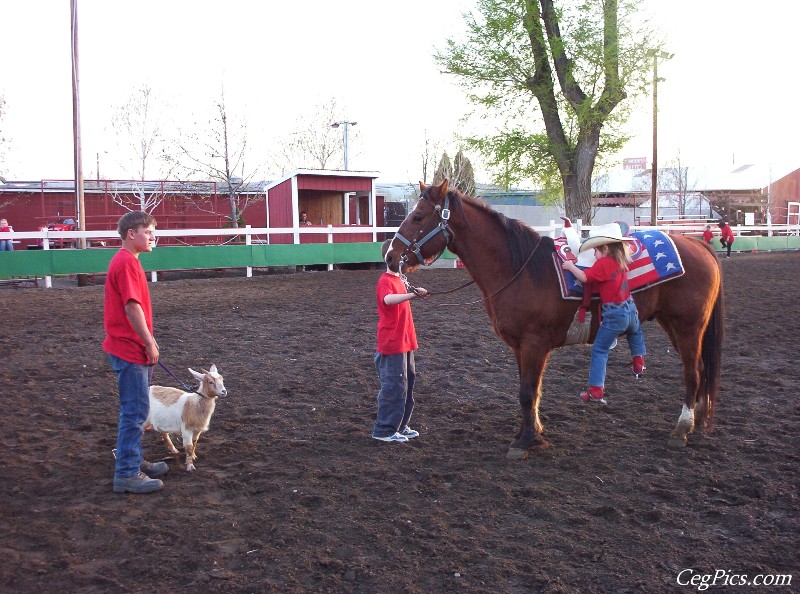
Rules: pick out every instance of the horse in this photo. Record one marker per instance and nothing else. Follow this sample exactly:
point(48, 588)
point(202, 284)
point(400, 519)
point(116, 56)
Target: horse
point(513, 267)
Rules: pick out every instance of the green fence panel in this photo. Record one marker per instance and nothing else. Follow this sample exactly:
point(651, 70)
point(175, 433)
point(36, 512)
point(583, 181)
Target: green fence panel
point(197, 256)
point(772, 243)
point(74, 261)
point(25, 263)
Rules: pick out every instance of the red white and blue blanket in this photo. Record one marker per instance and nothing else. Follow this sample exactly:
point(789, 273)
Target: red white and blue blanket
point(655, 260)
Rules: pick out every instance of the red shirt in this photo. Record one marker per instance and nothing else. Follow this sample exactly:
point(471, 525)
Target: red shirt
point(396, 333)
point(6, 230)
point(708, 235)
point(727, 233)
point(125, 282)
point(611, 280)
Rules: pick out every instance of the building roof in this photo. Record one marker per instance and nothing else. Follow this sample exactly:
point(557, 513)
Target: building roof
point(705, 178)
point(321, 173)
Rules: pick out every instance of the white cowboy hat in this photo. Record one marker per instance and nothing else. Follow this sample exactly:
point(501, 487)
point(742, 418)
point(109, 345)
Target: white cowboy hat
point(602, 235)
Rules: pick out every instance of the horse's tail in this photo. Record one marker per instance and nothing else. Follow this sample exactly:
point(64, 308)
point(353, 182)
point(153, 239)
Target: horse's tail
point(711, 356)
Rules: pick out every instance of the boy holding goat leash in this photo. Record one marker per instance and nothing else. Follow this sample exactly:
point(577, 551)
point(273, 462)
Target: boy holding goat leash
point(132, 350)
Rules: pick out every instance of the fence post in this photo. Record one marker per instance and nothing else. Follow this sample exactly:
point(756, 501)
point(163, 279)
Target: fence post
point(330, 240)
point(48, 280)
point(248, 241)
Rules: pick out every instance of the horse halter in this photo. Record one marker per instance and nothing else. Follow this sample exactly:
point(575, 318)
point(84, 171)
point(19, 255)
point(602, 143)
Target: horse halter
point(414, 245)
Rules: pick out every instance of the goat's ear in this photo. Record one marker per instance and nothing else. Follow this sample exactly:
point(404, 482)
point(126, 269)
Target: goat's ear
point(213, 368)
point(197, 376)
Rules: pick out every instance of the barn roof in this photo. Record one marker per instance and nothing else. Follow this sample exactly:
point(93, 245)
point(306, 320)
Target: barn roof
point(321, 173)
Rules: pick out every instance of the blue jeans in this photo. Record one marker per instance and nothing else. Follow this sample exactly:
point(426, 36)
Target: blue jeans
point(617, 319)
point(396, 396)
point(6, 245)
point(134, 406)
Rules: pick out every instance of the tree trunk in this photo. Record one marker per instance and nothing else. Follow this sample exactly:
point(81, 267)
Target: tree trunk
point(234, 210)
point(578, 180)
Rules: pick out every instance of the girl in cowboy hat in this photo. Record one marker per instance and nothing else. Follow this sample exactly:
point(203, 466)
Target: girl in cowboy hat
point(609, 275)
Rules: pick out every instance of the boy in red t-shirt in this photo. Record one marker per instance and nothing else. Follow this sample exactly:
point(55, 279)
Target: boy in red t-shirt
point(131, 349)
point(708, 234)
point(609, 274)
point(394, 356)
point(726, 238)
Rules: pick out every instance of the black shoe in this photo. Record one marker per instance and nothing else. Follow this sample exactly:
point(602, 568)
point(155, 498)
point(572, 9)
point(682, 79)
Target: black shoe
point(154, 470)
point(138, 483)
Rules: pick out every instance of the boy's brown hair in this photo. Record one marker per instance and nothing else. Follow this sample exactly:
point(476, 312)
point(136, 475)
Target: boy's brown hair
point(134, 220)
point(385, 248)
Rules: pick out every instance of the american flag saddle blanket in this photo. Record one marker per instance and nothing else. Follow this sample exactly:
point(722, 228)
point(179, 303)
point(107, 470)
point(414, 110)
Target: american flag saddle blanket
point(655, 260)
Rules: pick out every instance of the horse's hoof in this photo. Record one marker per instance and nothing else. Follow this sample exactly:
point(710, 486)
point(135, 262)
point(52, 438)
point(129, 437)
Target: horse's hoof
point(516, 454)
point(676, 441)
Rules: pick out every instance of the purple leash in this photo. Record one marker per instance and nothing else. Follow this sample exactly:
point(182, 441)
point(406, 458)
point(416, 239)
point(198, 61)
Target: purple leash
point(175, 377)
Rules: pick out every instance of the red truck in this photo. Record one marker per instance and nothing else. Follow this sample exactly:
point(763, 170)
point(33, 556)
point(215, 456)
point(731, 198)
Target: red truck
point(60, 225)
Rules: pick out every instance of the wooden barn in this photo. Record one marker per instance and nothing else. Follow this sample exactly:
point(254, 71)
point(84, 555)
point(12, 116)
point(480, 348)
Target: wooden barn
point(335, 198)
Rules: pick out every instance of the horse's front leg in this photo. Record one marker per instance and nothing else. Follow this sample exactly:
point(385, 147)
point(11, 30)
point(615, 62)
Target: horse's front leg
point(531, 363)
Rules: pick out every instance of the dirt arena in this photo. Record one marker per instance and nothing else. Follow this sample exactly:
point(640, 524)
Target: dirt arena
point(292, 495)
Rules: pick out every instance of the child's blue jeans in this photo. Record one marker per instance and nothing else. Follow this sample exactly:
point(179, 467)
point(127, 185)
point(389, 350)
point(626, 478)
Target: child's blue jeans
point(134, 406)
point(618, 318)
point(396, 396)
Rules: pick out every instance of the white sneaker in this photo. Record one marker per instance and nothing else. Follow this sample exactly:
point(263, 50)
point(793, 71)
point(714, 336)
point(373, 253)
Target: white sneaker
point(396, 437)
point(409, 433)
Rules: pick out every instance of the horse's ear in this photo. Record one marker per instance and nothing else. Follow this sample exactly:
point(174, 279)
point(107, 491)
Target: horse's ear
point(422, 187)
point(443, 187)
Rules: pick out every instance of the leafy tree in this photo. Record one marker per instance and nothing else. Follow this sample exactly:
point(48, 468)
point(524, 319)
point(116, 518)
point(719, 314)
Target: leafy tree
point(219, 153)
point(556, 77)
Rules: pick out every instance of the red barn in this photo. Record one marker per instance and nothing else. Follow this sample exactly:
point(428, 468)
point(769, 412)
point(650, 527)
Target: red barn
point(336, 198)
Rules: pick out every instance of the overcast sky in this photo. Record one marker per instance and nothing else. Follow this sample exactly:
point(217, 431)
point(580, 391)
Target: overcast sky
point(730, 94)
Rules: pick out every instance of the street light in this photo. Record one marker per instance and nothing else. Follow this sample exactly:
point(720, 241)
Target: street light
point(656, 54)
point(346, 125)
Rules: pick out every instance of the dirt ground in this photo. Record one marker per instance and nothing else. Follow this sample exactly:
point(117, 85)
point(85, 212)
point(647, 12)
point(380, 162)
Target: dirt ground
point(292, 495)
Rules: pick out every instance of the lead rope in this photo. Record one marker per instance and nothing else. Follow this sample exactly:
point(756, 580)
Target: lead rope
point(413, 289)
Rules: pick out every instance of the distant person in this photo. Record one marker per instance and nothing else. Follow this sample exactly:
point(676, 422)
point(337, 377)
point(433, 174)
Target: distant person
point(727, 238)
point(132, 350)
point(6, 245)
point(304, 218)
point(394, 356)
point(708, 234)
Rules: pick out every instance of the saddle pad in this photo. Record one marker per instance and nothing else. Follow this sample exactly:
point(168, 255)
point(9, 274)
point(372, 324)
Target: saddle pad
point(654, 260)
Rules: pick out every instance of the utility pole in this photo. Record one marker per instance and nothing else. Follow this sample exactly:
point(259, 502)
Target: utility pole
point(346, 126)
point(76, 125)
point(654, 168)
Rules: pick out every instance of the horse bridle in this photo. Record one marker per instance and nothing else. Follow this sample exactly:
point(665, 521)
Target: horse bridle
point(414, 245)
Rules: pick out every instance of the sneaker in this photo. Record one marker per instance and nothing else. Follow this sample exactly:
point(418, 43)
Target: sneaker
point(409, 433)
point(138, 483)
point(396, 437)
point(594, 394)
point(154, 470)
point(638, 365)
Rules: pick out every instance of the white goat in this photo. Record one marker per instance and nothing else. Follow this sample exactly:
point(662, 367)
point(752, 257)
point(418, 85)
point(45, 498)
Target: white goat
point(188, 413)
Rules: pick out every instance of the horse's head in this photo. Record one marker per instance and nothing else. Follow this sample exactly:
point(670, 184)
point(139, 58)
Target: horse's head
point(424, 234)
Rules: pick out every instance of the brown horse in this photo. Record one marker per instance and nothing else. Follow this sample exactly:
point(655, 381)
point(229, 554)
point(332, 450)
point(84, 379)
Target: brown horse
point(513, 267)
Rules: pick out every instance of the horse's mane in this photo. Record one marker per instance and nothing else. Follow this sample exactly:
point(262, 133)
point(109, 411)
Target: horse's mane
point(521, 239)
